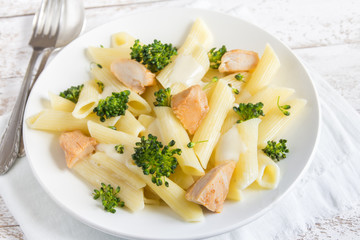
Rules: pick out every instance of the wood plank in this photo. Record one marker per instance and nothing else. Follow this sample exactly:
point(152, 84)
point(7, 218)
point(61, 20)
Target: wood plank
point(339, 65)
point(298, 23)
point(6, 219)
point(25, 7)
point(343, 226)
point(11, 233)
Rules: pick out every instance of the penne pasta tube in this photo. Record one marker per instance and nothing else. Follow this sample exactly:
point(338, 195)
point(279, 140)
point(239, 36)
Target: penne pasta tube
point(95, 175)
point(105, 56)
point(265, 70)
point(104, 134)
point(52, 120)
point(275, 121)
point(209, 129)
point(246, 170)
point(137, 105)
point(269, 95)
point(191, 63)
point(230, 80)
point(88, 100)
point(173, 196)
point(129, 124)
point(122, 40)
point(60, 103)
point(120, 170)
point(172, 129)
point(269, 171)
point(182, 179)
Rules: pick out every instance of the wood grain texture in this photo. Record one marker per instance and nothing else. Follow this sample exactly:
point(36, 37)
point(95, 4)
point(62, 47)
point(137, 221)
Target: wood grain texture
point(326, 34)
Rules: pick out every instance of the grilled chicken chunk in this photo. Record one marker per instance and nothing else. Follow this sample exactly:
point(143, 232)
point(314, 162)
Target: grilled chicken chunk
point(76, 146)
point(132, 74)
point(238, 60)
point(190, 107)
point(212, 188)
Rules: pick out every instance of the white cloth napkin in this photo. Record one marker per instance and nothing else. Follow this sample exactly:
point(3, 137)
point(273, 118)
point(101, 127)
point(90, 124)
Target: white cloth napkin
point(330, 186)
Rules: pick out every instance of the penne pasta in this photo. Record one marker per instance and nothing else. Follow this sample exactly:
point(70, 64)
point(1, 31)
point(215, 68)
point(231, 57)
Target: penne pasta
point(118, 168)
point(267, 67)
point(173, 196)
point(105, 56)
point(129, 124)
point(209, 129)
point(171, 129)
point(182, 179)
point(137, 105)
point(95, 175)
point(191, 63)
point(88, 100)
point(246, 170)
point(269, 95)
point(122, 40)
point(104, 134)
point(275, 121)
point(60, 103)
point(269, 172)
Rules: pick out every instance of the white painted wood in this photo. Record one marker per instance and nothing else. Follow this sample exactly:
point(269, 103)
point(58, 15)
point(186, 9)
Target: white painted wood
point(325, 33)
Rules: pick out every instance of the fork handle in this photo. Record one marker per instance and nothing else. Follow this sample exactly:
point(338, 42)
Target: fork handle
point(10, 141)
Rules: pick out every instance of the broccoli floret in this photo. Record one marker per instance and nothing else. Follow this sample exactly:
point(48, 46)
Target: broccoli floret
point(112, 127)
point(276, 151)
point(72, 93)
point(249, 111)
point(239, 77)
point(154, 56)
point(192, 144)
point(156, 159)
point(108, 197)
point(100, 85)
point(234, 90)
point(283, 108)
point(215, 57)
point(112, 106)
point(163, 98)
point(119, 148)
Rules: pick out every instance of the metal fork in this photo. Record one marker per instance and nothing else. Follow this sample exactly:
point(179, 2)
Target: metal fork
point(46, 26)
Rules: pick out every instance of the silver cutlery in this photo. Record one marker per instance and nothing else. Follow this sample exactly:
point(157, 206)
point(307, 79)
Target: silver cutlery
point(72, 23)
point(46, 26)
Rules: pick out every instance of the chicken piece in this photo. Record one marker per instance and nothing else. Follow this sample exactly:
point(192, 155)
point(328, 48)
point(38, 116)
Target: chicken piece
point(190, 107)
point(132, 74)
point(238, 60)
point(212, 188)
point(76, 146)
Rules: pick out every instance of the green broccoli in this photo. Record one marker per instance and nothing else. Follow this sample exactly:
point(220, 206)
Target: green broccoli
point(100, 85)
point(156, 159)
point(72, 93)
point(163, 98)
point(192, 144)
point(154, 56)
point(276, 151)
point(112, 106)
point(283, 108)
point(112, 127)
point(249, 111)
point(215, 57)
point(234, 90)
point(108, 197)
point(119, 148)
point(239, 77)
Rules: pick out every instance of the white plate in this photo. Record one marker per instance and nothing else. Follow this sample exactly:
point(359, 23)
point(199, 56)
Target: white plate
point(71, 67)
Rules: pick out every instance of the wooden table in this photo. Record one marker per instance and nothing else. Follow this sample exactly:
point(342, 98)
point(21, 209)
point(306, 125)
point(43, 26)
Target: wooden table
point(325, 33)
